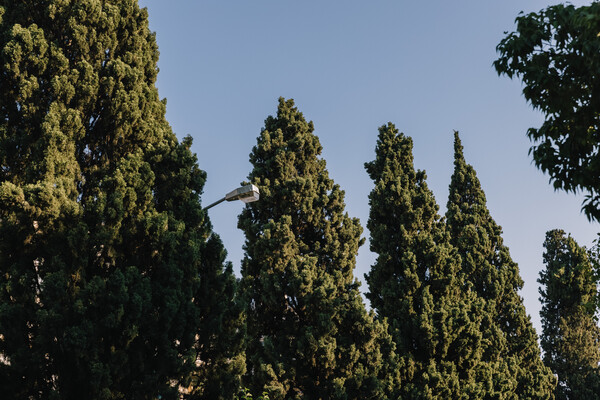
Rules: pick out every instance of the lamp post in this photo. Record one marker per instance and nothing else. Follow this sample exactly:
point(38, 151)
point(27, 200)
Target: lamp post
point(247, 194)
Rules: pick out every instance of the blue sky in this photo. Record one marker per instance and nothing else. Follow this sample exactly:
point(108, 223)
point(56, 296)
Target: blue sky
point(352, 66)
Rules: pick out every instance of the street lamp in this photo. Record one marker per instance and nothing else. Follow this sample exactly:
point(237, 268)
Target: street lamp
point(247, 194)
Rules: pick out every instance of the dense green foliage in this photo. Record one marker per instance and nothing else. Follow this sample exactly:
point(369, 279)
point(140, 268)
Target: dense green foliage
point(220, 357)
point(246, 395)
point(556, 52)
point(486, 263)
point(309, 335)
point(111, 283)
point(434, 316)
point(571, 336)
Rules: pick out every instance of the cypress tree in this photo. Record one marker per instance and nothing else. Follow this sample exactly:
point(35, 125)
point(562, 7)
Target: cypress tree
point(220, 354)
point(434, 318)
point(487, 265)
point(571, 336)
point(309, 335)
point(104, 245)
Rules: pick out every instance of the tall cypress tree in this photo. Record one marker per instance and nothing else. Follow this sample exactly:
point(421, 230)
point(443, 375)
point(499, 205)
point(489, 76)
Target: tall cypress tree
point(571, 336)
point(104, 245)
point(309, 335)
point(487, 265)
point(220, 354)
point(434, 317)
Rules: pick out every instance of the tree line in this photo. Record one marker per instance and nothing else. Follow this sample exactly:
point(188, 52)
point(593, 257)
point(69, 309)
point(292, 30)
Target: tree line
point(113, 284)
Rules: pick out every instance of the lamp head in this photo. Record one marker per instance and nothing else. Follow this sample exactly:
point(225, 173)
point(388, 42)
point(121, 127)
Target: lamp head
point(247, 194)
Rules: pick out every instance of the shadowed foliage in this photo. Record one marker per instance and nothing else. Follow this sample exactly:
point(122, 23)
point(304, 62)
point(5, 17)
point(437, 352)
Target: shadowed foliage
point(571, 336)
point(104, 246)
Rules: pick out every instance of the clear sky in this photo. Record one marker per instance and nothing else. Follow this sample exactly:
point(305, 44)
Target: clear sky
point(352, 66)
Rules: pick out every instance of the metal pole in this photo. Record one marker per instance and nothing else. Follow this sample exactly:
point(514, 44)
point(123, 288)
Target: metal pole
point(214, 204)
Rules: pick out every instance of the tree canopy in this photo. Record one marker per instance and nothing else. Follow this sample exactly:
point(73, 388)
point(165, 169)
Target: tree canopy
point(486, 263)
point(556, 53)
point(104, 246)
point(571, 335)
point(309, 334)
point(416, 285)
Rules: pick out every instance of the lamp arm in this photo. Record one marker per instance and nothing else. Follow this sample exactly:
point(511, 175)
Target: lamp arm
point(214, 204)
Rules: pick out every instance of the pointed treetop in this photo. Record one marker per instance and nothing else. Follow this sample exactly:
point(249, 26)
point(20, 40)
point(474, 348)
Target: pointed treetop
point(465, 188)
point(292, 136)
point(570, 332)
point(475, 233)
point(487, 264)
point(308, 330)
point(458, 148)
point(399, 186)
point(393, 154)
point(413, 283)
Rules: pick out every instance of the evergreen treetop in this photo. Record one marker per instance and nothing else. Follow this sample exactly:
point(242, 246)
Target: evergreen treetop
point(571, 336)
point(415, 283)
point(486, 261)
point(487, 265)
point(309, 334)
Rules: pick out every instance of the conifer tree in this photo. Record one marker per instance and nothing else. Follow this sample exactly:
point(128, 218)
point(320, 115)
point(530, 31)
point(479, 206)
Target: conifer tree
point(571, 336)
point(434, 318)
point(220, 353)
point(104, 246)
point(487, 265)
point(309, 335)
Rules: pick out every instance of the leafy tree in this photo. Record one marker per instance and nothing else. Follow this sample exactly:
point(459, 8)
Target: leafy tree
point(220, 352)
point(571, 336)
point(104, 246)
point(486, 263)
point(309, 335)
point(556, 53)
point(434, 316)
point(246, 395)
